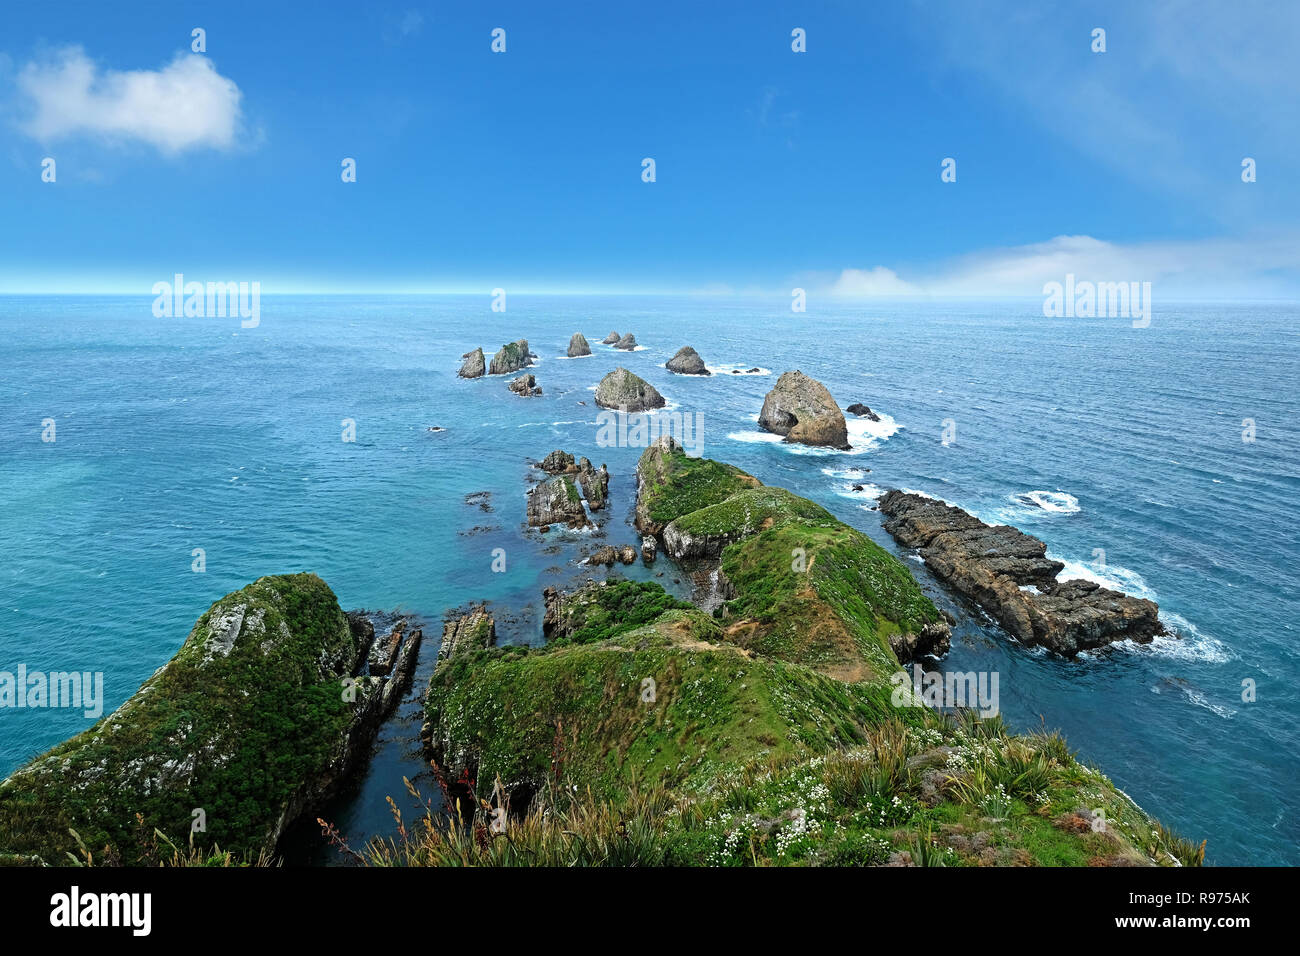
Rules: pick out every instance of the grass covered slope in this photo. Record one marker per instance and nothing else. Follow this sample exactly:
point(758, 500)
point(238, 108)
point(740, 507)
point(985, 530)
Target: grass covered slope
point(769, 733)
point(248, 712)
point(665, 704)
point(802, 585)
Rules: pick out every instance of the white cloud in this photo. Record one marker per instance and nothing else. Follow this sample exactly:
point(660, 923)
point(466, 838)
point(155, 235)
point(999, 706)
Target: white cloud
point(184, 105)
point(1257, 267)
point(867, 283)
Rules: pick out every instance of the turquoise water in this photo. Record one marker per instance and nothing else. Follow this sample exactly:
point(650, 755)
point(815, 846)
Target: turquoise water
point(176, 434)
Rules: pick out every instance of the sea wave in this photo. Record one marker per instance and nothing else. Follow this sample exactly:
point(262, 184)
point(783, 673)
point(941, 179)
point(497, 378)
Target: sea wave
point(737, 368)
point(1054, 502)
point(1111, 576)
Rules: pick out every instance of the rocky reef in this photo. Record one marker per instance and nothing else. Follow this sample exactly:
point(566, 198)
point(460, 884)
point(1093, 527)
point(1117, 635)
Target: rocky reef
point(578, 346)
point(1008, 573)
point(687, 361)
point(260, 716)
point(623, 390)
point(863, 411)
point(593, 482)
point(801, 409)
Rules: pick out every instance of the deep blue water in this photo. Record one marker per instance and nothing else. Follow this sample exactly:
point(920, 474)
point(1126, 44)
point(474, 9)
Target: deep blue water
point(175, 434)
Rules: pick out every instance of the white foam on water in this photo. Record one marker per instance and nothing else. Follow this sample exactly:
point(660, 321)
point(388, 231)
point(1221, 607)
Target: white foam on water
point(756, 437)
point(1053, 502)
point(565, 358)
point(737, 369)
point(864, 433)
point(1111, 576)
point(869, 492)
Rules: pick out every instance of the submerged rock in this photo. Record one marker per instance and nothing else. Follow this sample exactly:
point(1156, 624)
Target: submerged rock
point(471, 365)
point(513, 357)
point(687, 361)
point(1008, 573)
point(621, 389)
point(578, 345)
point(801, 409)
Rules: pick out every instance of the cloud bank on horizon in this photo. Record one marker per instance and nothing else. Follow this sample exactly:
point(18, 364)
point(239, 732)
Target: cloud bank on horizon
point(521, 167)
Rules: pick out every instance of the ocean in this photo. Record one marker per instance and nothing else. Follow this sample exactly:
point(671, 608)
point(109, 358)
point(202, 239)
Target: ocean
point(1122, 448)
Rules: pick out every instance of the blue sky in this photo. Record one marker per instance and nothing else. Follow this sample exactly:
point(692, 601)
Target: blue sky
point(774, 168)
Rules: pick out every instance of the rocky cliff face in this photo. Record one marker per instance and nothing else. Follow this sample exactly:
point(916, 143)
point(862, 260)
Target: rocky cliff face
point(472, 365)
point(512, 357)
point(801, 409)
point(467, 632)
point(259, 717)
point(1008, 573)
point(621, 389)
point(578, 345)
point(687, 361)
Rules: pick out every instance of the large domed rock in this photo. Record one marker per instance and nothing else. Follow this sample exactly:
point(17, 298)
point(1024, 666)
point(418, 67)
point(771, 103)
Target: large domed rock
point(611, 339)
point(627, 343)
point(687, 361)
point(621, 389)
point(578, 345)
point(801, 409)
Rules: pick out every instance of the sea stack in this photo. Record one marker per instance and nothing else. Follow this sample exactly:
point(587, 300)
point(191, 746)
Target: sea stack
point(801, 409)
point(627, 343)
point(472, 364)
point(513, 357)
point(578, 345)
point(621, 389)
point(687, 361)
point(611, 339)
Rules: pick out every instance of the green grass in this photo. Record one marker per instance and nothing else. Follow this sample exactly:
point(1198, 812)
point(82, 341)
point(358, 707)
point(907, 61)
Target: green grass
point(236, 736)
point(677, 484)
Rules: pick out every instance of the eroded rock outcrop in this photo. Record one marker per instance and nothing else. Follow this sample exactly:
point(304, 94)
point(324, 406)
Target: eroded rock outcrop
point(1008, 573)
point(627, 343)
point(621, 389)
point(556, 500)
point(863, 411)
point(512, 357)
point(611, 339)
point(525, 385)
point(687, 361)
point(802, 410)
point(473, 631)
point(578, 345)
point(472, 364)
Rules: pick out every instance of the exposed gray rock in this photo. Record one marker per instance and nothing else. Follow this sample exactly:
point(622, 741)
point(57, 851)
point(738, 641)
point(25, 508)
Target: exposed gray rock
point(556, 501)
point(801, 409)
point(525, 385)
point(649, 549)
point(627, 343)
point(578, 345)
point(611, 339)
point(687, 361)
point(621, 389)
point(1008, 573)
point(863, 411)
point(471, 365)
